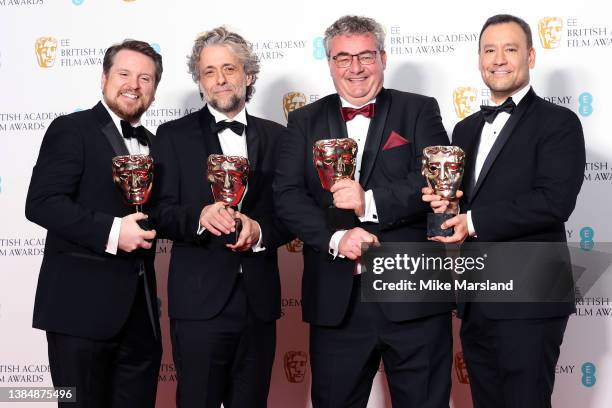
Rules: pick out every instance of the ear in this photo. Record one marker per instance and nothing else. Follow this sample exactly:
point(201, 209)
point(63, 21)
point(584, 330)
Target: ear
point(103, 80)
point(249, 79)
point(383, 58)
point(531, 57)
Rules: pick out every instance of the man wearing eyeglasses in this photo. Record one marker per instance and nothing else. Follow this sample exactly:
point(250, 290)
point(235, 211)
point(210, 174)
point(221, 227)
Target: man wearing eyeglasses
point(348, 337)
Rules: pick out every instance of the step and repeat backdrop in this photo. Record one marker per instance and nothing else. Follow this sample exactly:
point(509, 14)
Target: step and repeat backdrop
point(50, 64)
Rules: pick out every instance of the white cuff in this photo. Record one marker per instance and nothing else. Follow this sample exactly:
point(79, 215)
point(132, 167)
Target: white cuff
point(370, 214)
point(334, 243)
point(113, 237)
point(201, 229)
point(471, 230)
point(257, 247)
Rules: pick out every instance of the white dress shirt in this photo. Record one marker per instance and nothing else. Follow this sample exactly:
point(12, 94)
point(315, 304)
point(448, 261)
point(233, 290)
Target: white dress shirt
point(133, 147)
point(489, 134)
point(357, 129)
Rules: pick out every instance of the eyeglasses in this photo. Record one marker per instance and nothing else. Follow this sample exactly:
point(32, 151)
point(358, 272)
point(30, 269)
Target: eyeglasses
point(344, 60)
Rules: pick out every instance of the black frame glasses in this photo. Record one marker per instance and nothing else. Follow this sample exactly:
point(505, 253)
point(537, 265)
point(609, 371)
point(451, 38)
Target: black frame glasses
point(344, 59)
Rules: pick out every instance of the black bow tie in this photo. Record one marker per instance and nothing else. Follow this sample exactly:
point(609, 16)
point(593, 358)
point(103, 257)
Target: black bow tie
point(137, 133)
point(236, 127)
point(490, 112)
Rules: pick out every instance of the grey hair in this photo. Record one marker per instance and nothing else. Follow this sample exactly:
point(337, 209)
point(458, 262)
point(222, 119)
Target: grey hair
point(348, 25)
point(222, 36)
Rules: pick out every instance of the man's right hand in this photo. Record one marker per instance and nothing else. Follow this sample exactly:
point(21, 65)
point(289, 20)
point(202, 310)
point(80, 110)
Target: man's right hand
point(131, 236)
point(218, 219)
point(350, 243)
point(438, 204)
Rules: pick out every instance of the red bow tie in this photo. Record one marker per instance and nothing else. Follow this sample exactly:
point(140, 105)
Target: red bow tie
point(350, 113)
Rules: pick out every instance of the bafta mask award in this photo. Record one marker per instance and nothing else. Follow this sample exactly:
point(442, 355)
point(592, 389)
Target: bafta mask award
point(443, 168)
point(133, 175)
point(334, 160)
point(228, 177)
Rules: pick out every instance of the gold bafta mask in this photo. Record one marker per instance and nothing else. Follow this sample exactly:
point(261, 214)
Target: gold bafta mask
point(133, 175)
point(295, 246)
point(461, 368)
point(334, 160)
point(293, 101)
point(550, 30)
point(46, 50)
point(296, 364)
point(228, 176)
point(465, 100)
point(443, 167)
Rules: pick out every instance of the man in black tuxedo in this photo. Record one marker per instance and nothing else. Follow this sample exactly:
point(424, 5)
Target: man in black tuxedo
point(348, 337)
point(96, 294)
point(224, 298)
point(524, 170)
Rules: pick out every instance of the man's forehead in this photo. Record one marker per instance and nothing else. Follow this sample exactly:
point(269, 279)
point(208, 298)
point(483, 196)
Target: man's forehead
point(352, 43)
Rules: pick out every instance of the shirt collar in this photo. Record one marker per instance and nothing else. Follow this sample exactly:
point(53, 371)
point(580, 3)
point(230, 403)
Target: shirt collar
point(518, 95)
point(219, 117)
point(347, 104)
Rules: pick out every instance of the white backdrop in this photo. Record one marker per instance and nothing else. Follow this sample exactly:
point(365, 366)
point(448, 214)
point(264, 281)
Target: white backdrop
point(431, 50)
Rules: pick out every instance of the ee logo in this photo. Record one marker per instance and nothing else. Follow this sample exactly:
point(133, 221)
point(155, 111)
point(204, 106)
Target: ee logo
point(588, 374)
point(318, 48)
point(585, 102)
point(78, 2)
point(586, 238)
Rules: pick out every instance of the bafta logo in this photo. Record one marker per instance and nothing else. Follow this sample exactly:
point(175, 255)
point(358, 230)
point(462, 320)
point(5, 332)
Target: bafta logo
point(465, 101)
point(293, 101)
point(461, 368)
point(295, 363)
point(295, 246)
point(46, 49)
point(549, 30)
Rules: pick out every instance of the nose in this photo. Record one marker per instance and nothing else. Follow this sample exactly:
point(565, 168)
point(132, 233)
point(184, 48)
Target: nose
point(221, 80)
point(226, 181)
point(339, 166)
point(355, 66)
point(443, 173)
point(133, 180)
point(500, 58)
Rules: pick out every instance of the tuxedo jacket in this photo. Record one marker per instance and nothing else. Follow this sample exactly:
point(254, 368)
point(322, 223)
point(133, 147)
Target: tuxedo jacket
point(202, 270)
point(82, 290)
point(391, 169)
point(527, 187)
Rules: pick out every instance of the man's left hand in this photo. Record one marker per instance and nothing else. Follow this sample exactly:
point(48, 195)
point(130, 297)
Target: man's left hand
point(249, 235)
point(349, 195)
point(460, 224)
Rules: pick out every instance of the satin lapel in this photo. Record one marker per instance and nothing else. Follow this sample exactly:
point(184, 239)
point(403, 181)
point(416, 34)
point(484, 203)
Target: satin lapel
point(253, 150)
point(210, 145)
point(503, 137)
point(337, 126)
point(110, 130)
point(375, 135)
point(471, 149)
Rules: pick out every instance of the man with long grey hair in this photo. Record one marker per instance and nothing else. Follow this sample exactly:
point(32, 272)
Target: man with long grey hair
point(349, 337)
point(224, 298)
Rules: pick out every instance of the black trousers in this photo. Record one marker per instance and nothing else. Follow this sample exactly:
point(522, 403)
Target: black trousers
point(227, 359)
point(511, 363)
point(417, 357)
point(121, 372)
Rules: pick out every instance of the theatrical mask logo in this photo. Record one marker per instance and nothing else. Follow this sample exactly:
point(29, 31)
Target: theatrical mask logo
point(293, 101)
point(550, 30)
point(296, 364)
point(461, 368)
point(46, 50)
point(465, 100)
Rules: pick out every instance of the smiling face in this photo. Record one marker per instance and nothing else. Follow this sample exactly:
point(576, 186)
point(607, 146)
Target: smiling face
point(129, 85)
point(223, 81)
point(505, 59)
point(358, 84)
